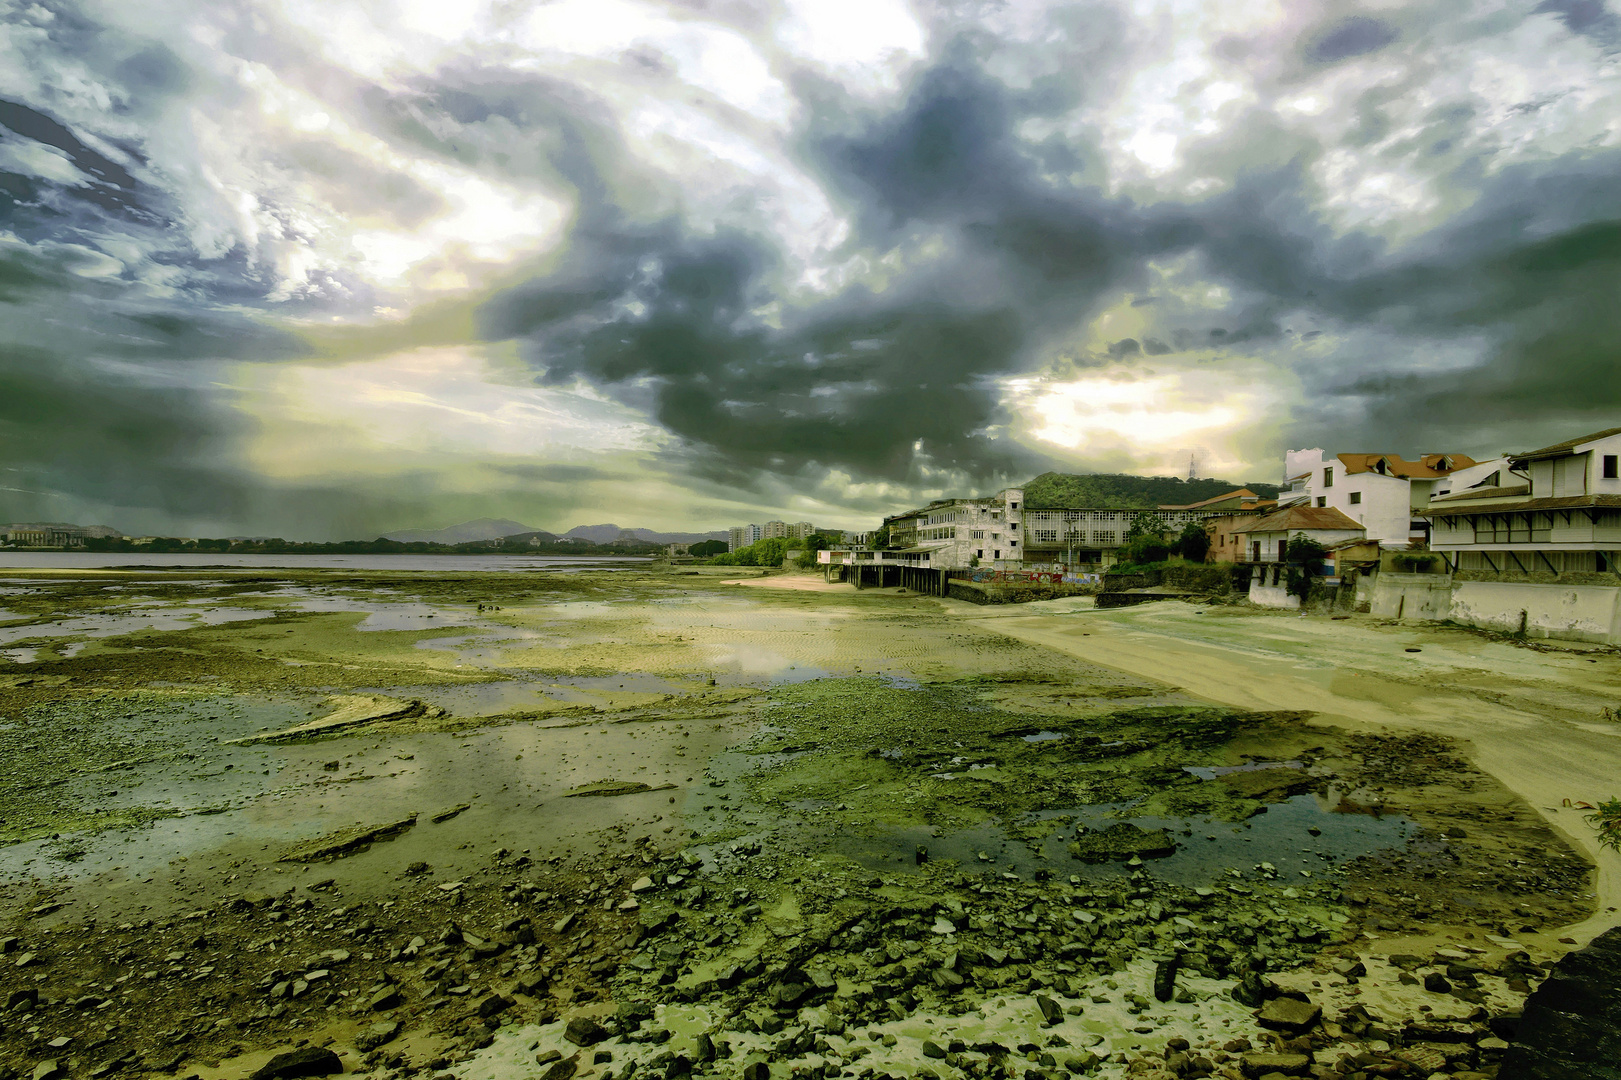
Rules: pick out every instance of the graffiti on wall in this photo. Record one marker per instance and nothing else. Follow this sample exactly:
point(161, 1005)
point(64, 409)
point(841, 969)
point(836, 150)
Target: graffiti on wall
point(1029, 577)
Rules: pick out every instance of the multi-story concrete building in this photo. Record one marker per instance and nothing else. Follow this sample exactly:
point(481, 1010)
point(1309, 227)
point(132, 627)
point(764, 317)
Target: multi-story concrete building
point(959, 533)
point(1000, 532)
point(1555, 510)
point(52, 534)
point(741, 536)
point(1087, 537)
point(1381, 492)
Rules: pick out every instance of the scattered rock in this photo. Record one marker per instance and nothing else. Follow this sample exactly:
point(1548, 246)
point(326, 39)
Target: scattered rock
point(305, 1061)
point(1288, 1014)
point(584, 1031)
point(1256, 1065)
point(1051, 1011)
point(1165, 979)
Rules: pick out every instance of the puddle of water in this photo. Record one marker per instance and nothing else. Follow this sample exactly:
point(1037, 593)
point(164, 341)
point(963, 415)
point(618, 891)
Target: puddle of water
point(133, 621)
point(750, 665)
point(1210, 772)
point(1279, 837)
point(485, 648)
point(1043, 736)
point(20, 656)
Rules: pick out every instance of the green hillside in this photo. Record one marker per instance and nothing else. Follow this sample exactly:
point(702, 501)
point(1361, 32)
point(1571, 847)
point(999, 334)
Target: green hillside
point(1122, 491)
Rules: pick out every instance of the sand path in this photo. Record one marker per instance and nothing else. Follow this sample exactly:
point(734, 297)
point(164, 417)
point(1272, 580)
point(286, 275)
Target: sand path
point(1530, 718)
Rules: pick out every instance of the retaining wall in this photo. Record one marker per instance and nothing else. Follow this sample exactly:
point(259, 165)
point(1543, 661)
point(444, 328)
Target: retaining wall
point(1572, 612)
point(1411, 596)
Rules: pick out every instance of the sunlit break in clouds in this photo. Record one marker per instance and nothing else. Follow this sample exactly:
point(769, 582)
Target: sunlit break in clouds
point(329, 269)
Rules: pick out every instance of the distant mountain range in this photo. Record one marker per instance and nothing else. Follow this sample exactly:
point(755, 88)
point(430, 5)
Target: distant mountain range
point(465, 533)
point(607, 534)
point(497, 528)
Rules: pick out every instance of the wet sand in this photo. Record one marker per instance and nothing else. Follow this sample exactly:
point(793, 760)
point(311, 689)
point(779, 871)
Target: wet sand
point(174, 844)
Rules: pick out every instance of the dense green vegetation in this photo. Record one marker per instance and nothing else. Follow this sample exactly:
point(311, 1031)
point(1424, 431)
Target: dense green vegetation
point(1148, 544)
point(772, 552)
point(1120, 491)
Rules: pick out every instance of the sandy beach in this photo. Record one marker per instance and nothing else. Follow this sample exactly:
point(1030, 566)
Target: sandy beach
point(438, 823)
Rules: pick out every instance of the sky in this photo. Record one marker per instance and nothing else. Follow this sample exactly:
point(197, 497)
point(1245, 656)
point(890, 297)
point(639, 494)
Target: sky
point(327, 269)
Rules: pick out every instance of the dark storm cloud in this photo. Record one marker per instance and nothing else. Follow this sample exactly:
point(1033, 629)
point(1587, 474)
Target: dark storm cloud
point(1530, 271)
point(859, 379)
point(1355, 36)
point(108, 184)
point(1590, 17)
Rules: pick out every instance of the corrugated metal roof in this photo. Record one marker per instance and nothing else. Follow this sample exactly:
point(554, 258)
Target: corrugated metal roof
point(1567, 502)
point(1561, 449)
point(1302, 517)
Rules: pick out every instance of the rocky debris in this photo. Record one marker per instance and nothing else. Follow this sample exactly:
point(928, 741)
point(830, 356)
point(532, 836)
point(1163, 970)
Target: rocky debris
point(614, 787)
point(305, 1061)
point(49, 1070)
point(1571, 1025)
point(1122, 841)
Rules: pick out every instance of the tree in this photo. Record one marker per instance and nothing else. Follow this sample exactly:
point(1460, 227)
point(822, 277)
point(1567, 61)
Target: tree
point(1305, 557)
point(703, 549)
point(1145, 541)
point(880, 539)
point(1304, 551)
point(1146, 524)
point(1194, 543)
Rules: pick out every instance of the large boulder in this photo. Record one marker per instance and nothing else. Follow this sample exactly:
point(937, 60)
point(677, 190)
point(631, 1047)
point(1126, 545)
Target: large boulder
point(305, 1061)
point(1572, 1024)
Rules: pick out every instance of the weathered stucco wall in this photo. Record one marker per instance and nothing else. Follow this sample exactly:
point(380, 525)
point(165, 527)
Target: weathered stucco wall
point(1411, 596)
point(1273, 596)
point(1575, 612)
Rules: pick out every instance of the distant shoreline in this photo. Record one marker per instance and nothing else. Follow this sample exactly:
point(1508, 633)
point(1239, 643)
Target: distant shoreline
point(35, 560)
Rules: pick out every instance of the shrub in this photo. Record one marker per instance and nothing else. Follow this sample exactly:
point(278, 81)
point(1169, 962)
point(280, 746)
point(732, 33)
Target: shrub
point(1606, 818)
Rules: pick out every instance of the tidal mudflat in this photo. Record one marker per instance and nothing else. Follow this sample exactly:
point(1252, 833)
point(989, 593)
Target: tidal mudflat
point(639, 822)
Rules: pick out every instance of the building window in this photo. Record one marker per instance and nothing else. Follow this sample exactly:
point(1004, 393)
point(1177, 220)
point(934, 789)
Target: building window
point(979, 553)
point(1356, 497)
point(996, 553)
point(1328, 479)
point(1012, 506)
point(1013, 543)
point(1322, 500)
point(1610, 472)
